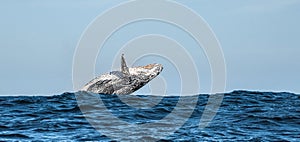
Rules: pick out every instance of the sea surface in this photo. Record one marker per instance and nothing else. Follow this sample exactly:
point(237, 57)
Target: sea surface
point(241, 116)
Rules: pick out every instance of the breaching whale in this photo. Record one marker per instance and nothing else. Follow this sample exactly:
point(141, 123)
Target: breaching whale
point(125, 81)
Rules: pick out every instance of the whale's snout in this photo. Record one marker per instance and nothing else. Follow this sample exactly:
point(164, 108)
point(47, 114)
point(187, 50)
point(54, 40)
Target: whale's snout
point(158, 68)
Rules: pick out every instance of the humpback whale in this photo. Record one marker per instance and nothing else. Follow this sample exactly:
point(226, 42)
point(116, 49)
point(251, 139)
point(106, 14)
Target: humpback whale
point(125, 81)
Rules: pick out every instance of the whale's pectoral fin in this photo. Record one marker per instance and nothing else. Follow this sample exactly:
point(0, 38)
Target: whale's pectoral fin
point(124, 67)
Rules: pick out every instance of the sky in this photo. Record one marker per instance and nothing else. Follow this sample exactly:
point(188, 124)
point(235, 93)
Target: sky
point(259, 39)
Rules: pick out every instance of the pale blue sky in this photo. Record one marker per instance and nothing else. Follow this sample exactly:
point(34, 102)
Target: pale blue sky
point(260, 41)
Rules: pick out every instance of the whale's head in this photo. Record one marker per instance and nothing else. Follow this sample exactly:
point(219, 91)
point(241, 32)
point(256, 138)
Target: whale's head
point(147, 72)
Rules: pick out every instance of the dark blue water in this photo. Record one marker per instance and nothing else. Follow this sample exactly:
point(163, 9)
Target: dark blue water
point(250, 116)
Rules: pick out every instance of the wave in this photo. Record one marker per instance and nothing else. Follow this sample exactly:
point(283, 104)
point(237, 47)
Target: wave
point(243, 115)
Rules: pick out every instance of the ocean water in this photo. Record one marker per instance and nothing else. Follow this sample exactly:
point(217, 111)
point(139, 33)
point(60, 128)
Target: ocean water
point(243, 115)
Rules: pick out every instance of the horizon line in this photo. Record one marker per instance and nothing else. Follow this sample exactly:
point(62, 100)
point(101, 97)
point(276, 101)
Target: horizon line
point(225, 92)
